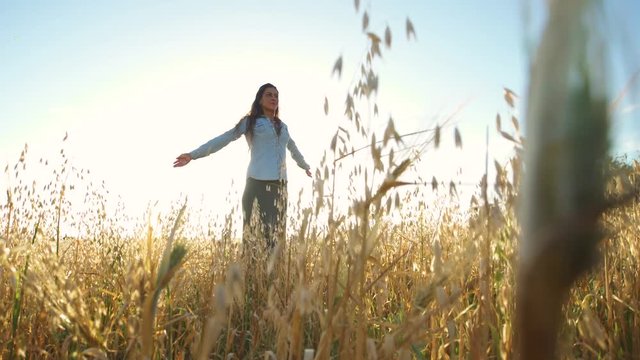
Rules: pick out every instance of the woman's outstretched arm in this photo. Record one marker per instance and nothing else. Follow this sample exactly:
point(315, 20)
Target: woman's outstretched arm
point(212, 145)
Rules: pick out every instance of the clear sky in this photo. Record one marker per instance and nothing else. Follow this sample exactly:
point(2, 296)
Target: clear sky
point(135, 83)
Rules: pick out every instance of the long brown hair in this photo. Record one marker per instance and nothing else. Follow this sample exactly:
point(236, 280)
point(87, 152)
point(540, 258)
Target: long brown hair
point(256, 112)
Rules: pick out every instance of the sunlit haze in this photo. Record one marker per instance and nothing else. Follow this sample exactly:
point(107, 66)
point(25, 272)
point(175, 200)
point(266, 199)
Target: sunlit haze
point(134, 84)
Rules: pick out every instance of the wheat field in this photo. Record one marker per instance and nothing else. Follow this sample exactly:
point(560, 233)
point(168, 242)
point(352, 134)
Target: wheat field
point(348, 283)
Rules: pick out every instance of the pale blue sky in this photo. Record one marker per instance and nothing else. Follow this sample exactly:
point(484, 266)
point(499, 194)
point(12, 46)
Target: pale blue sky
point(135, 83)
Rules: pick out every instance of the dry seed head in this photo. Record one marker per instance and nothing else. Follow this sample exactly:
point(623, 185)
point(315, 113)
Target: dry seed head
point(387, 37)
point(515, 122)
point(509, 97)
point(458, 138)
point(410, 30)
point(337, 68)
point(365, 21)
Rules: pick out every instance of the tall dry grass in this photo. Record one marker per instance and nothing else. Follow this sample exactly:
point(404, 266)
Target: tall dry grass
point(349, 286)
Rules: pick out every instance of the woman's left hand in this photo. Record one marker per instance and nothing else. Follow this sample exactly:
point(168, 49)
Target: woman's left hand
point(308, 173)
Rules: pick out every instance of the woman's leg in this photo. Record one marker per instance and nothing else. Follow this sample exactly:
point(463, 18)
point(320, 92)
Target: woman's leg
point(269, 214)
point(249, 197)
point(280, 221)
point(271, 200)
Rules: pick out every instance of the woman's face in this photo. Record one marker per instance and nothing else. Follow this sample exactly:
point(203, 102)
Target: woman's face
point(269, 101)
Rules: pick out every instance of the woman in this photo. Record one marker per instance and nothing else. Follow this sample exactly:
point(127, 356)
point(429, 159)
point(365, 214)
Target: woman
point(266, 184)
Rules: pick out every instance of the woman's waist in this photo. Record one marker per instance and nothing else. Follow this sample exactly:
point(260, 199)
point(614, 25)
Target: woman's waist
point(267, 171)
point(276, 182)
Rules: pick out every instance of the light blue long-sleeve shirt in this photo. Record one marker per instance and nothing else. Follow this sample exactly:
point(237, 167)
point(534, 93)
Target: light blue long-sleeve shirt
point(268, 150)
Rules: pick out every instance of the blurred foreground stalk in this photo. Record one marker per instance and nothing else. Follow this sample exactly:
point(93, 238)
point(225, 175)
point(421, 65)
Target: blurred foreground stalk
point(567, 125)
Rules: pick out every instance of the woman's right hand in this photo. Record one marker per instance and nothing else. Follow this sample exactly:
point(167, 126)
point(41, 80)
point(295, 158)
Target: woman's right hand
point(182, 160)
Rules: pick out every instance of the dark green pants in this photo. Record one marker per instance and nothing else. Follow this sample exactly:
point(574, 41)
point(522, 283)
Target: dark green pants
point(269, 224)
